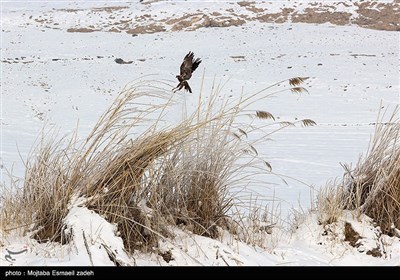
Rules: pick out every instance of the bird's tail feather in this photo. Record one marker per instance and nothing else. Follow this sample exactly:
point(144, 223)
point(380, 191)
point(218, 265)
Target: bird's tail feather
point(187, 87)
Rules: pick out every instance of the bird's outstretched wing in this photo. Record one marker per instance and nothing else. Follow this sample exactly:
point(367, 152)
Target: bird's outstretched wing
point(186, 66)
point(195, 64)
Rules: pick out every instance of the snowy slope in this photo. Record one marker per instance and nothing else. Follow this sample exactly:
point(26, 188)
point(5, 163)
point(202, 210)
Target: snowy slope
point(96, 242)
point(54, 76)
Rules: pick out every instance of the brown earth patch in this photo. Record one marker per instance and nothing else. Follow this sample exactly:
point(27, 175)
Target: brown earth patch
point(351, 235)
point(320, 16)
point(186, 24)
point(375, 253)
point(190, 22)
point(122, 21)
point(148, 29)
point(114, 29)
point(255, 9)
point(267, 17)
point(244, 17)
point(287, 11)
point(145, 17)
point(216, 14)
point(387, 17)
point(245, 3)
point(275, 17)
point(110, 9)
point(167, 256)
point(173, 21)
point(82, 30)
point(345, 4)
point(70, 10)
point(222, 22)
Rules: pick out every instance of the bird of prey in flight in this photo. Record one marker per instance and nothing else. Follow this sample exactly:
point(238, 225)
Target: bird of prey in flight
point(188, 66)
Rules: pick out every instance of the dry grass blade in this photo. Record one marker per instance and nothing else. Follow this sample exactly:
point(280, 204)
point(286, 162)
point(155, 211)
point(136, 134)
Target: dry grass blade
point(243, 132)
point(268, 165)
point(264, 115)
point(236, 135)
point(294, 82)
point(286, 123)
point(254, 150)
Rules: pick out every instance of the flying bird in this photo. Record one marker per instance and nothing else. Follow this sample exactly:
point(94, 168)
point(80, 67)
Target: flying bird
point(188, 66)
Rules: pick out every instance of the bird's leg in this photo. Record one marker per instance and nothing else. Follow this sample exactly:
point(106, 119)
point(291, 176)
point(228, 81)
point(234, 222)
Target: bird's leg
point(175, 89)
point(178, 87)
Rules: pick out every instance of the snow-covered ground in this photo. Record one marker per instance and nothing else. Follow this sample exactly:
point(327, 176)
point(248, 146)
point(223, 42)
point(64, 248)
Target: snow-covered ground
point(96, 242)
point(52, 76)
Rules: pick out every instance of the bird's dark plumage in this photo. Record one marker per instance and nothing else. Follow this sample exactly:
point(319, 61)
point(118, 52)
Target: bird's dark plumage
point(188, 66)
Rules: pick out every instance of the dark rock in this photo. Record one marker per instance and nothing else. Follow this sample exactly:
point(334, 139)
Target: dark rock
point(121, 61)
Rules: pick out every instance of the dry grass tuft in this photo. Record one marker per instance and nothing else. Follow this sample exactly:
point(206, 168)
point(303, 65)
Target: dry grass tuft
point(330, 204)
point(373, 186)
point(42, 202)
point(257, 227)
point(120, 191)
point(145, 183)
